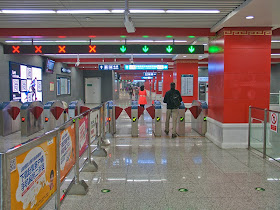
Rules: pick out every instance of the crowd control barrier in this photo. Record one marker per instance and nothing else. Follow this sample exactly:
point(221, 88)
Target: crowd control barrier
point(182, 122)
point(9, 117)
point(199, 112)
point(31, 118)
point(53, 114)
point(33, 172)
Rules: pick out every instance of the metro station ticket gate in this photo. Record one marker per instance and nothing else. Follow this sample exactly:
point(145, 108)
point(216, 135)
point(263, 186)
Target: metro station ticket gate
point(75, 108)
point(53, 114)
point(31, 118)
point(113, 115)
point(9, 117)
point(199, 116)
point(157, 119)
point(181, 120)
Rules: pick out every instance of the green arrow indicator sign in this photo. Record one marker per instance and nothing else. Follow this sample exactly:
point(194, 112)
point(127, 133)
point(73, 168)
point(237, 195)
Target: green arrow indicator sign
point(123, 49)
point(191, 49)
point(145, 49)
point(169, 49)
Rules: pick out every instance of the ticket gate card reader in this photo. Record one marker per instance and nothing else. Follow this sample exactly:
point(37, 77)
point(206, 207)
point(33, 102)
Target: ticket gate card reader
point(181, 119)
point(31, 118)
point(53, 115)
point(9, 117)
point(157, 119)
point(134, 118)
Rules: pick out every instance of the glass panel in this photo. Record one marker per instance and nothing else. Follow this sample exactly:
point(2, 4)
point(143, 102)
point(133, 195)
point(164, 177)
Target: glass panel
point(273, 136)
point(257, 129)
point(274, 98)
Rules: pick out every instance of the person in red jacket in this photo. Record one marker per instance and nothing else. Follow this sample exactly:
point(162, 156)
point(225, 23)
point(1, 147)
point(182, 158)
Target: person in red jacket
point(142, 96)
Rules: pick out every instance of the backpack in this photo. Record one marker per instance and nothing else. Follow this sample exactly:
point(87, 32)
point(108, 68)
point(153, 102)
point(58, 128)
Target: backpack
point(175, 100)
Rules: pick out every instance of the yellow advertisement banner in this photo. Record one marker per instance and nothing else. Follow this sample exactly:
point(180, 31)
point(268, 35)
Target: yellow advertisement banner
point(33, 176)
point(67, 151)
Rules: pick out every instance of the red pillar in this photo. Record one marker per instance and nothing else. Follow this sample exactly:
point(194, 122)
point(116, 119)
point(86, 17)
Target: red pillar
point(167, 79)
point(153, 84)
point(187, 67)
point(239, 76)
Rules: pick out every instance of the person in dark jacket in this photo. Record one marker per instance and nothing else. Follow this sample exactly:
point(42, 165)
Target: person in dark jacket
point(172, 108)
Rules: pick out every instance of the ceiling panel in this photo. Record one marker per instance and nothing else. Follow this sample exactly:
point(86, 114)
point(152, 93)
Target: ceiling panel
point(115, 20)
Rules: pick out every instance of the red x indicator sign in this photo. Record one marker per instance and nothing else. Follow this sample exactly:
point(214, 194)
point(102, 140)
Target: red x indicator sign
point(38, 49)
point(92, 49)
point(16, 49)
point(61, 49)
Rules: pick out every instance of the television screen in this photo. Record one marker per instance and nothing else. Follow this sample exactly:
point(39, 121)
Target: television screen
point(49, 66)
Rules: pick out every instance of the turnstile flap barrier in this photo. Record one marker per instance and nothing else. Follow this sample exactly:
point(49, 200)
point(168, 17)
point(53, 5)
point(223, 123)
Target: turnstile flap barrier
point(14, 112)
point(57, 111)
point(151, 111)
point(186, 109)
point(37, 111)
point(118, 111)
point(83, 109)
point(140, 111)
point(128, 111)
point(66, 110)
point(195, 110)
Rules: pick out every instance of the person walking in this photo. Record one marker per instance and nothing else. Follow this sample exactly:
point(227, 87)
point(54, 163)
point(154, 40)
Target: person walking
point(136, 93)
point(173, 99)
point(142, 96)
point(130, 91)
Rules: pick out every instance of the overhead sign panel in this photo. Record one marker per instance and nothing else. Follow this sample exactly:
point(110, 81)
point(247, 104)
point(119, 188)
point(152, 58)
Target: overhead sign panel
point(146, 77)
point(150, 74)
point(146, 67)
point(109, 67)
point(103, 49)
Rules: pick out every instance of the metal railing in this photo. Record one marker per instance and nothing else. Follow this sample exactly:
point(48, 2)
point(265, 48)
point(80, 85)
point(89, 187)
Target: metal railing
point(264, 132)
point(33, 172)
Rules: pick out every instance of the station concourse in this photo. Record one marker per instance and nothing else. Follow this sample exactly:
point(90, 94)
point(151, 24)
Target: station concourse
point(73, 134)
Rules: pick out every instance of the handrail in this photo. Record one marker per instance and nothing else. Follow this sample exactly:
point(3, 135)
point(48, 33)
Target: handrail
point(14, 152)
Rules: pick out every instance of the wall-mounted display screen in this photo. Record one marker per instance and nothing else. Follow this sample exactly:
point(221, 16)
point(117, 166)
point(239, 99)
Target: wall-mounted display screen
point(49, 66)
point(25, 83)
point(63, 85)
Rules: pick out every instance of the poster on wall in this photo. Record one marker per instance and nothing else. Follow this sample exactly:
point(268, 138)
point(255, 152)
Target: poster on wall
point(26, 83)
point(187, 84)
point(67, 151)
point(63, 85)
point(83, 135)
point(33, 176)
point(160, 86)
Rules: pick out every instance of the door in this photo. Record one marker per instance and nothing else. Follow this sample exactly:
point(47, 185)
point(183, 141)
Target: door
point(93, 90)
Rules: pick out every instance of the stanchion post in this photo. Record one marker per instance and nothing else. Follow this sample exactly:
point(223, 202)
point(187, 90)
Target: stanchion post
point(80, 187)
point(264, 133)
point(57, 198)
point(104, 140)
point(249, 130)
point(91, 165)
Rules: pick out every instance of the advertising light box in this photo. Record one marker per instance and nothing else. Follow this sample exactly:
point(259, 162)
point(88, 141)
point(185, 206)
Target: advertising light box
point(25, 83)
point(146, 67)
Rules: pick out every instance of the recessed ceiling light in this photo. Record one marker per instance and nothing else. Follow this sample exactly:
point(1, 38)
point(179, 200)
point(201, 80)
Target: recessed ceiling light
point(184, 56)
point(145, 36)
point(169, 36)
point(191, 37)
point(117, 10)
point(28, 11)
point(101, 11)
point(250, 17)
point(275, 40)
point(192, 11)
point(150, 11)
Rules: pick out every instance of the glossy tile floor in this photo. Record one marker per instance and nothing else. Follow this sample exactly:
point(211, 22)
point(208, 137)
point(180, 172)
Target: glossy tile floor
point(147, 173)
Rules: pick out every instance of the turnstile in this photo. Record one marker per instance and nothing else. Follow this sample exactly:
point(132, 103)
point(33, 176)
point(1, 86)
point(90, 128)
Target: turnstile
point(9, 117)
point(181, 119)
point(157, 119)
point(74, 108)
point(112, 117)
point(134, 118)
point(31, 118)
point(53, 115)
point(199, 120)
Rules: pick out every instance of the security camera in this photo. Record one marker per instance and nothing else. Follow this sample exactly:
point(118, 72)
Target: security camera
point(128, 24)
point(77, 64)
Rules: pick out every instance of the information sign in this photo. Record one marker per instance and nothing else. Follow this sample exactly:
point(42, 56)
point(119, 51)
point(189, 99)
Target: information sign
point(146, 77)
point(149, 74)
point(274, 122)
point(146, 67)
point(187, 84)
point(109, 67)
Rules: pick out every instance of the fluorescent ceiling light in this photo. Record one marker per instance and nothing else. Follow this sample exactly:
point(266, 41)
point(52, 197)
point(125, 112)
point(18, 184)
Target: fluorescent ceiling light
point(192, 11)
point(250, 17)
point(83, 11)
point(117, 10)
point(28, 11)
point(276, 54)
point(146, 11)
point(275, 40)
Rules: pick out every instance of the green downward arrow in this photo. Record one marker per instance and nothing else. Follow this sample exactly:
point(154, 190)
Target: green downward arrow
point(169, 49)
point(122, 48)
point(191, 49)
point(145, 49)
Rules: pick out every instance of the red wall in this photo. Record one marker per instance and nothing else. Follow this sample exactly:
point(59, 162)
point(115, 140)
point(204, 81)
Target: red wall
point(188, 67)
point(167, 79)
point(159, 79)
point(239, 76)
